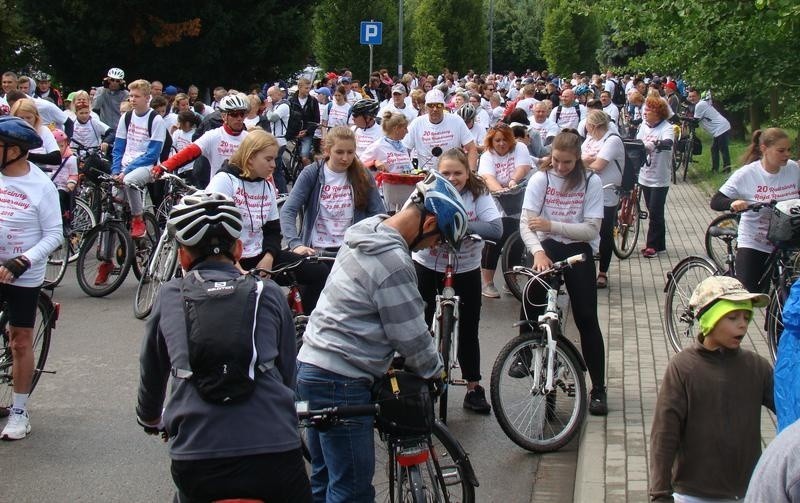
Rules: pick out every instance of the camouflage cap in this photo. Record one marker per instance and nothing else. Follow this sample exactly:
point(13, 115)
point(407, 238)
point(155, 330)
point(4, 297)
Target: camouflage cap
point(715, 288)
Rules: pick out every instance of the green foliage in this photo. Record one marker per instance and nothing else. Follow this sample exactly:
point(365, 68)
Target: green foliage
point(20, 50)
point(559, 43)
point(449, 33)
point(518, 26)
point(427, 38)
point(336, 35)
point(206, 43)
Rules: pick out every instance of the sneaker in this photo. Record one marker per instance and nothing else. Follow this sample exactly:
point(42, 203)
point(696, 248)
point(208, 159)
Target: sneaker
point(138, 228)
point(649, 253)
point(597, 402)
point(490, 291)
point(521, 365)
point(103, 271)
point(17, 427)
point(475, 400)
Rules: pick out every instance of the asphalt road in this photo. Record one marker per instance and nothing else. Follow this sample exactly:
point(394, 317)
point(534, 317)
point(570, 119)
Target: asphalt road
point(86, 446)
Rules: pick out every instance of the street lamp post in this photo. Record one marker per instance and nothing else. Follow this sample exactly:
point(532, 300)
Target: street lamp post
point(400, 38)
point(491, 32)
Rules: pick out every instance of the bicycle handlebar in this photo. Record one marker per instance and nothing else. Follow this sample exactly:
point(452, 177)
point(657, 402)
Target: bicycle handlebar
point(555, 267)
point(180, 181)
point(331, 414)
point(321, 257)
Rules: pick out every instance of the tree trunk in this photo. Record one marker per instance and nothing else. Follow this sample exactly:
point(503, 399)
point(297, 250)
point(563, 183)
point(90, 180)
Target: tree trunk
point(755, 116)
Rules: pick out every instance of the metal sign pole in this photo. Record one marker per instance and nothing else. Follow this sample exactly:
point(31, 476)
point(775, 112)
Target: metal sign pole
point(370, 59)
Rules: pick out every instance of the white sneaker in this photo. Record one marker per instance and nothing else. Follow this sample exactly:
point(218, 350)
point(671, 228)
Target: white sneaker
point(489, 290)
point(17, 427)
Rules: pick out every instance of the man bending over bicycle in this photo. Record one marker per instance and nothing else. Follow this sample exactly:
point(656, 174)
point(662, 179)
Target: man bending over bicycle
point(370, 309)
point(30, 229)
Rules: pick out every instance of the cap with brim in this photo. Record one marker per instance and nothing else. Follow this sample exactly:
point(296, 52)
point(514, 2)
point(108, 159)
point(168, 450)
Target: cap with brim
point(671, 85)
point(434, 96)
point(715, 288)
point(399, 89)
point(170, 90)
point(71, 96)
point(324, 90)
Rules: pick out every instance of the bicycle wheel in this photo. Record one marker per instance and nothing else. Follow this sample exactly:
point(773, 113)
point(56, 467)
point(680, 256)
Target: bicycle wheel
point(162, 213)
point(515, 253)
point(775, 320)
point(160, 270)
point(716, 248)
point(42, 331)
point(681, 282)
point(143, 247)
point(447, 325)
point(626, 228)
point(56, 265)
point(686, 158)
point(83, 220)
point(107, 248)
point(445, 476)
point(533, 418)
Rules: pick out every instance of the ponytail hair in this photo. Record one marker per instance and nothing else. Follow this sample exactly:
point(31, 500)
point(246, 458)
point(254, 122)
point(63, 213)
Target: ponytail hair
point(568, 140)
point(767, 137)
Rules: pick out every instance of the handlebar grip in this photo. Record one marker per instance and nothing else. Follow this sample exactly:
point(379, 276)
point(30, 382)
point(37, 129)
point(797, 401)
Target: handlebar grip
point(576, 259)
point(370, 409)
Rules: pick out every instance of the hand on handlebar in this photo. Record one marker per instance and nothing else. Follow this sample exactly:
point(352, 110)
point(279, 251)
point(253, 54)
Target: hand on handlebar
point(153, 427)
point(438, 384)
point(739, 205)
point(157, 170)
point(304, 250)
point(541, 262)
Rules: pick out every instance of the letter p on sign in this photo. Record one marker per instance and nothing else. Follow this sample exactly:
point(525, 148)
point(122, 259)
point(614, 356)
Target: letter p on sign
point(371, 32)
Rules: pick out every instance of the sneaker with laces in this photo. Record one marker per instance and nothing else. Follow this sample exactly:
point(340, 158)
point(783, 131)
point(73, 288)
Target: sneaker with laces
point(598, 405)
point(138, 228)
point(103, 271)
point(475, 400)
point(489, 290)
point(18, 425)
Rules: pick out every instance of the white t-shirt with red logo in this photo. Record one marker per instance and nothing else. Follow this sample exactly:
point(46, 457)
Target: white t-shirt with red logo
point(218, 146)
point(60, 174)
point(181, 139)
point(657, 172)
point(338, 114)
point(136, 138)
point(396, 161)
point(423, 136)
point(754, 184)
point(366, 137)
point(256, 201)
point(336, 210)
point(502, 167)
point(468, 256)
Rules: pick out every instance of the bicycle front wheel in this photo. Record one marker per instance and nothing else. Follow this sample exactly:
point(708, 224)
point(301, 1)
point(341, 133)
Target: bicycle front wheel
point(775, 320)
point(534, 418)
point(160, 270)
point(56, 265)
point(83, 220)
point(626, 228)
point(42, 331)
point(447, 325)
point(104, 259)
point(515, 253)
point(716, 248)
point(143, 247)
point(681, 282)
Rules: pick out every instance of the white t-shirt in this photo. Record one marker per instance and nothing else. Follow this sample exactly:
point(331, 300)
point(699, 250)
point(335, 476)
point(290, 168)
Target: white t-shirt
point(335, 210)
point(49, 143)
point(30, 222)
point(502, 167)
point(754, 184)
point(574, 206)
point(396, 160)
point(50, 113)
point(423, 136)
point(89, 134)
point(366, 137)
point(469, 254)
point(482, 119)
point(256, 201)
point(136, 136)
point(171, 119)
point(353, 96)
point(609, 148)
point(545, 129)
point(582, 128)
point(338, 114)
point(180, 139)
point(62, 176)
point(527, 104)
point(657, 172)
point(218, 146)
point(478, 133)
point(279, 125)
point(710, 120)
point(407, 110)
point(612, 111)
point(569, 117)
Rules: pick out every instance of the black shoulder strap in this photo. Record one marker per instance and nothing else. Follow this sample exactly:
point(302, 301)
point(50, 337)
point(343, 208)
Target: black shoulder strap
point(150, 119)
point(623, 149)
point(546, 186)
point(558, 113)
point(63, 162)
point(128, 120)
point(578, 110)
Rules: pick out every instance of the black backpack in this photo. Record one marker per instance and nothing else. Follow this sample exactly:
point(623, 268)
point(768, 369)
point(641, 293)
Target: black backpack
point(222, 350)
point(295, 123)
point(166, 148)
point(618, 97)
point(635, 158)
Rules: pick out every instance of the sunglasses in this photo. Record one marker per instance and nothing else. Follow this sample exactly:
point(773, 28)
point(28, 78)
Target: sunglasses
point(236, 114)
point(114, 80)
point(435, 106)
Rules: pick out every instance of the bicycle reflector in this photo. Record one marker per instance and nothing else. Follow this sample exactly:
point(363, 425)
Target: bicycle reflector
point(412, 456)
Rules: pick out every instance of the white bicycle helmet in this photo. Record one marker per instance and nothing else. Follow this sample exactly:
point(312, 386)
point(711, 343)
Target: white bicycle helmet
point(466, 112)
point(233, 103)
point(116, 73)
point(206, 219)
point(438, 196)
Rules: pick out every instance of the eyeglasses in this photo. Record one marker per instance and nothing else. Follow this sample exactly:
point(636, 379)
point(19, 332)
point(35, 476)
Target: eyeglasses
point(435, 106)
point(236, 114)
point(490, 88)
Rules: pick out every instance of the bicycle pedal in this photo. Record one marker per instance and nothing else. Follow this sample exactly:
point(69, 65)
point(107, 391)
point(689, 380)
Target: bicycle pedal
point(643, 215)
point(458, 382)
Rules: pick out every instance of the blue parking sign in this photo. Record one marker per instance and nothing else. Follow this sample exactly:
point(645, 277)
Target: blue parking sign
point(371, 32)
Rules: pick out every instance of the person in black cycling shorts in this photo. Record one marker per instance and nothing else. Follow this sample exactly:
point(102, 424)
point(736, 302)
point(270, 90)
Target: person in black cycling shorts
point(30, 229)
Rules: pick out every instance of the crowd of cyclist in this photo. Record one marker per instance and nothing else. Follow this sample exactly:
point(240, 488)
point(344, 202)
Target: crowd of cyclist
point(482, 134)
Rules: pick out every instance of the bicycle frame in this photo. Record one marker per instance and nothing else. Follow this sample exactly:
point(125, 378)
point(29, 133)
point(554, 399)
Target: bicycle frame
point(448, 297)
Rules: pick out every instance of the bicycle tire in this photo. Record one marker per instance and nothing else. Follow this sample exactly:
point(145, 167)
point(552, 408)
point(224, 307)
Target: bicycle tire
point(533, 419)
point(446, 331)
point(447, 459)
point(515, 253)
point(160, 270)
point(162, 212)
point(681, 282)
point(775, 319)
point(83, 220)
point(41, 347)
point(118, 251)
point(627, 226)
point(143, 247)
point(687, 155)
point(716, 248)
point(56, 265)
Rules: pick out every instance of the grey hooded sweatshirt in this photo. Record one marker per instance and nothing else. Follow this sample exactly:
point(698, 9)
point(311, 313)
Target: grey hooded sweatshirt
point(370, 308)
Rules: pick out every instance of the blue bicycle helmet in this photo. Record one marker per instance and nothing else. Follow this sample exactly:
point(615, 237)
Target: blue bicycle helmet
point(581, 90)
point(16, 132)
point(438, 196)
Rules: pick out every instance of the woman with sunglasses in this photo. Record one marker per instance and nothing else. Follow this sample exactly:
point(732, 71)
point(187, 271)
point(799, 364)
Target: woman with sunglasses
point(504, 164)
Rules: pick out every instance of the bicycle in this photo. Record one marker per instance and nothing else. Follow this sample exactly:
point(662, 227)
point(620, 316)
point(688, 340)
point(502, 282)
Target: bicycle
point(782, 270)
point(716, 244)
point(292, 160)
point(686, 146)
point(628, 221)
point(538, 389)
point(76, 224)
point(410, 467)
point(110, 242)
point(47, 313)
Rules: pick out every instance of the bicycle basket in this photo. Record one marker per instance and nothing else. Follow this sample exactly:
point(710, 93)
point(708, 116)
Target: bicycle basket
point(396, 188)
point(406, 407)
point(92, 166)
point(635, 158)
point(784, 224)
point(511, 200)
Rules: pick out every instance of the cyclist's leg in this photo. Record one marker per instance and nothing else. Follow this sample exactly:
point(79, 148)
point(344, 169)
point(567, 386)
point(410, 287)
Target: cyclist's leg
point(428, 282)
point(724, 149)
point(750, 268)
point(656, 200)
point(139, 177)
point(305, 149)
point(607, 237)
point(468, 288)
point(714, 154)
point(343, 457)
point(491, 253)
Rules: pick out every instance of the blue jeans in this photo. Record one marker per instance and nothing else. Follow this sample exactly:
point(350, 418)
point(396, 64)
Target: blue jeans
point(343, 457)
point(306, 143)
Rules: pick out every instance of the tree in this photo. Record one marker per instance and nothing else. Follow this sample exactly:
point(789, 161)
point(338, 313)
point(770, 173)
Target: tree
point(336, 35)
point(427, 39)
point(449, 33)
point(206, 43)
point(518, 26)
point(19, 48)
point(559, 43)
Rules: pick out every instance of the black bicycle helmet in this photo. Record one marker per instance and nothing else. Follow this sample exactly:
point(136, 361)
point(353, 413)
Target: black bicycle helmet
point(365, 107)
point(15, 131)
point(203, 219)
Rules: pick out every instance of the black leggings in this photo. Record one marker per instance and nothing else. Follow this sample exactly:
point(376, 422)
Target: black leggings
point(582, 289)
point(750, 267)
point(491, 253)
point(311, 276)
point(468, 287)
point(655, 198)
point(607, 236)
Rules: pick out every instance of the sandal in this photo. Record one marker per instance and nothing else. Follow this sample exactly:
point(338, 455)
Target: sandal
point(602, 280)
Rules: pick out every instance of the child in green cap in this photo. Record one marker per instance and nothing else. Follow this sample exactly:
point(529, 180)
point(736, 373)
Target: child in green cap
point(706, 434)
